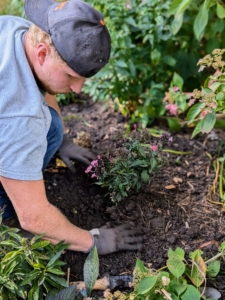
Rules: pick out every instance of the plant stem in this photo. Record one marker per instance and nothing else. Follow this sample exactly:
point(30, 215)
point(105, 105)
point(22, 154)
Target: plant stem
point(176, 152)
point(214, 257)
point(221, 180)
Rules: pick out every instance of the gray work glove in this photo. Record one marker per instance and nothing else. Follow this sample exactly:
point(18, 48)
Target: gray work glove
point(123, 237)
point(69, 151)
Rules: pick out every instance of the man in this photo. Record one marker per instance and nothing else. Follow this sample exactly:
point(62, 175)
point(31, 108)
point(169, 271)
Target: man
point(66, 43)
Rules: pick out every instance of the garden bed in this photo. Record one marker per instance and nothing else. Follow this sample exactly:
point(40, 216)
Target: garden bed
point(174, 207)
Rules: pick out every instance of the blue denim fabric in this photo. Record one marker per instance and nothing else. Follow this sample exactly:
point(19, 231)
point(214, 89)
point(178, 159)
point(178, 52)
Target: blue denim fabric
point(54, 139)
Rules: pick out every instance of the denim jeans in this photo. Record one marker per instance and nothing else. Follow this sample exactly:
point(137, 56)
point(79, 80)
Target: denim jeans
point(54, 140)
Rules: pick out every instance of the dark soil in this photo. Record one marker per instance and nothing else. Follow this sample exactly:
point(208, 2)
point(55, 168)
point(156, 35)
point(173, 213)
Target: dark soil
point(174, 206)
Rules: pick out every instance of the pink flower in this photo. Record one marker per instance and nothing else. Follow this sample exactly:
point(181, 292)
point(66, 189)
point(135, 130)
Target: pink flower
point(170, 139)
point(172, 108)
point(135, 126)
point(93, 175)
point(99, 156)
point(88, 169)
point(154, 147)
point(94, 163)
point(191, 101)
point(176, 89)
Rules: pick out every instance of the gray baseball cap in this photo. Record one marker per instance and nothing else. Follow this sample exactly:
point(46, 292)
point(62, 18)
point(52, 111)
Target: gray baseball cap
point(77, 30)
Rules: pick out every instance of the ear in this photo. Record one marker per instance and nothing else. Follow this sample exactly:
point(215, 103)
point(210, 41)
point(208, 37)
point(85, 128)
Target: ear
point(42, 53)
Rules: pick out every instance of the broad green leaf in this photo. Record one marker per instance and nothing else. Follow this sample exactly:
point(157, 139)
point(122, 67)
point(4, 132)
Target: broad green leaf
point(91, 270)
point(173, 123)
point(183, 6)
point(130, 21)
point(40, 244)
point(55, 271)
point(214, 86)
point(175, 266)
point(194, 112)
point(144, 176)
point(60, 281)
point(178, 287)
point(155, 57)
point(173, 7)
point(177, 80)
point(220, 10)
point(191, 293)
point(213, 268)
point(198, 271)
point(177, 23)
point(208, 122)
point(177, 253)
point(197, 129)
point(146, 284)
point(220, 96)
point(140, 265)
point(54, 259)
point(11, 255)
point(169, 60)
point(201, 20)
point(67, 294)
point(30, 277)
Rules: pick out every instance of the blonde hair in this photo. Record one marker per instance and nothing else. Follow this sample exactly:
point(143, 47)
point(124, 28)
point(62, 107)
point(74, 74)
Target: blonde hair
point(36, 35)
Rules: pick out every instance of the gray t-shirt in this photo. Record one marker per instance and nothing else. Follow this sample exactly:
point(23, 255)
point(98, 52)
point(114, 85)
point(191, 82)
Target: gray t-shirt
point(24, 116)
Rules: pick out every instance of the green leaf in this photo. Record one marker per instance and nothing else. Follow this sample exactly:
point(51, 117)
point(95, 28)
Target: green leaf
point(183, 6)
point(175, 266)
point(53, 259)
point(208, 122)
point(198, 270)
point(67, 294)
point(40, 244)
point(191, 293)
point(177, 80)
point(177, 286)
point(220, 10)
point(177, 253)
point(173, 123)
point(146, 284)
point(213, 268)
point(197, 129)
point(145, 177)
point(55, 271)
point(60, 281)
point(220, 96)
point(140, 265)
point(169, 60)
point(177, 23)
point(194, 112)
point(201, 20)
point(91, 270)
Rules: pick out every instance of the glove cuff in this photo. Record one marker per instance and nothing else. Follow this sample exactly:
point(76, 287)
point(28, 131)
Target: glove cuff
point(93, 232)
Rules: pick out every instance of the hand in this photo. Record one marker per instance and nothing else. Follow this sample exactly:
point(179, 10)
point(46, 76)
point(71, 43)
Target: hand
point(69, 151)
point(123, 237)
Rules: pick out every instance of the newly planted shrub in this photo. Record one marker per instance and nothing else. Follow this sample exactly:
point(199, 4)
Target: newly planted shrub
point(136, 157)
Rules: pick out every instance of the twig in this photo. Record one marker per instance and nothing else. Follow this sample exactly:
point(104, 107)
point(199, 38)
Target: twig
point(68, 275)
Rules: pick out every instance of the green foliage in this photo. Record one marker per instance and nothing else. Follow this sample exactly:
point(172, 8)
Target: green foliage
point(91, 270)
point(211, 96)
point(182, 281)
point(28, 268)
point(137, 156)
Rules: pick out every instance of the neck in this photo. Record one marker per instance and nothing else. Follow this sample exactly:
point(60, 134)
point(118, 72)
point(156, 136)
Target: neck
point(28, 51)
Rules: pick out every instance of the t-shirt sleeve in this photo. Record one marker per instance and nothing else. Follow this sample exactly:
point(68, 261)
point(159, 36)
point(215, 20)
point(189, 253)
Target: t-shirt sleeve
point(22, 147)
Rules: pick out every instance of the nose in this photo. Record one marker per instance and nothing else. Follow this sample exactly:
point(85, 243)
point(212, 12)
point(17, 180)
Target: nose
point(77, 85)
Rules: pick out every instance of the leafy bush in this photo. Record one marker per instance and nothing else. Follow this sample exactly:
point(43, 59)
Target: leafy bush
point(137, 156)
point(29, 269)
point(150, 41)
point(182, 280)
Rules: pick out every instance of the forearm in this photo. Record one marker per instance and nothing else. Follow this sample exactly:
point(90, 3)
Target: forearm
point(38, 216)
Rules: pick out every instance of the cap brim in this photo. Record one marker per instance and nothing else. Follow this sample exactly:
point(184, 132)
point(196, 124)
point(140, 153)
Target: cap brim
point(37, 12)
